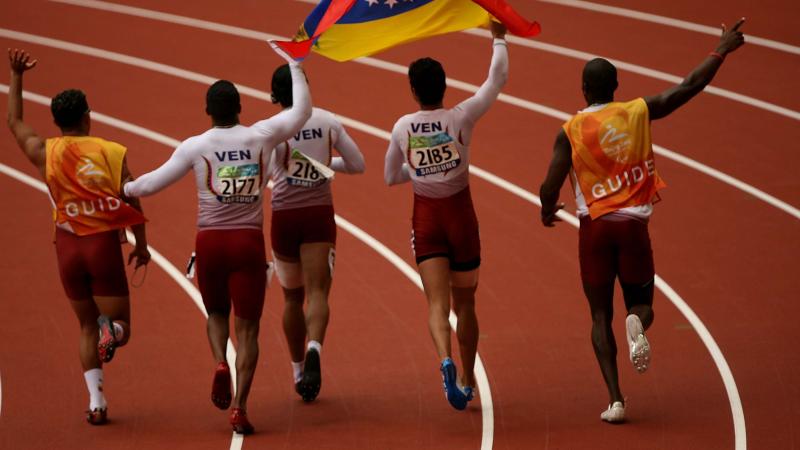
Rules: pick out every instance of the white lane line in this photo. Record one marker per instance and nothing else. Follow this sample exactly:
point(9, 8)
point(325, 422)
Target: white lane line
point(630, 67)
point(1, 395)
point(385, 65)
point(668, 21)
point(736, 407)
point(644, 71)
point(737, 411)
point(487, 405)
point(156, 256)
point(491, 178)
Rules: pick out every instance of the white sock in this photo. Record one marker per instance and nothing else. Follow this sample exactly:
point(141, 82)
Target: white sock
point(119, 332)
point(94, 383)
point(297, 370)
point(316, 346)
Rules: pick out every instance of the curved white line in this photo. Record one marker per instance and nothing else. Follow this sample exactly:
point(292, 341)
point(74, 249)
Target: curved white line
point(630, 67)
point(487, 405)
point(156, 256)
point(668, 21)
point(457, 84)
point(736, 408)
point(644, 71)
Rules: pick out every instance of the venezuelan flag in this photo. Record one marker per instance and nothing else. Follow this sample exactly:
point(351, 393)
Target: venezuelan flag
point(363, 27)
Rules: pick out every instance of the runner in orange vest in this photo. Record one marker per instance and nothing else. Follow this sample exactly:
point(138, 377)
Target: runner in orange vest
point(606, 148)
point(84, 175)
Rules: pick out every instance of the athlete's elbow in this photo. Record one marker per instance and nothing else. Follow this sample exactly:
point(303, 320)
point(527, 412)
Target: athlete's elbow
point(358, 167)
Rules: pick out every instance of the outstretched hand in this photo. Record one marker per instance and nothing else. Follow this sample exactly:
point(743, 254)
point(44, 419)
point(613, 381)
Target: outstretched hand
point(731, 39)
point(141, 254)
point(550, 219)
point(20, 61)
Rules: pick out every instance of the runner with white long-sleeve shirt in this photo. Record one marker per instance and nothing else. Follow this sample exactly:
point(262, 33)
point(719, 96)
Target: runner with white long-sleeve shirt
point(303, 230)
point(430, 148)
point(230, 162)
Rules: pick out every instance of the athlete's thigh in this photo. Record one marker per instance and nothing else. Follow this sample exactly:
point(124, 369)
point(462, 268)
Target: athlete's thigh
point(86, 311)
point(464, 279)
point(435, 274)
point(213, 269)
point(635, 254)
point(106, 266)
point(317, 261)
point(289, 271)
point(115, 307)
point(597, 252)
point(247, 281)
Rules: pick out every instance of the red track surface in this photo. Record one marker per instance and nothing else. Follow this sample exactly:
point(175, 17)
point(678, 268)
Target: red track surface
point(730, 256)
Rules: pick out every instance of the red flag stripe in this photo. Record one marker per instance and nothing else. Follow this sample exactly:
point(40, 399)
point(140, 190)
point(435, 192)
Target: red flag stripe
point(335, 11)
point(515, 23)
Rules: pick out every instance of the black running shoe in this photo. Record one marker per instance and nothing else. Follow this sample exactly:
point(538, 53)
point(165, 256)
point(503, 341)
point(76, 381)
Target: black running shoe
point(309, 385)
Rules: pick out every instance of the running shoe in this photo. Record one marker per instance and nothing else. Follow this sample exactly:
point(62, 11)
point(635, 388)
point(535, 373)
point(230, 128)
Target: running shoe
point(97, 416)
point(637, 343)
point(452, 393)
point(468, 393)
point(310, 384)
point(108, 340)
point(221, 386)
point(240, 423)
point(614, 414)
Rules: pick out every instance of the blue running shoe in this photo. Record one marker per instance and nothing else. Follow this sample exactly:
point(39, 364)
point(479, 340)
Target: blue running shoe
point(468, 393)
point(451, 391)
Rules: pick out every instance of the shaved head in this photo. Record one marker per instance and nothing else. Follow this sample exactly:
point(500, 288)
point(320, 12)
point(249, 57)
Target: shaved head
point(599, 80)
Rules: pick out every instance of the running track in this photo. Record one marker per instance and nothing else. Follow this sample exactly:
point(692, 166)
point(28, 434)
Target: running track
point(728, 254)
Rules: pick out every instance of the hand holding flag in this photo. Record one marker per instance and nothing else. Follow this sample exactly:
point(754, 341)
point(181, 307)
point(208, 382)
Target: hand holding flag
point(356, 28)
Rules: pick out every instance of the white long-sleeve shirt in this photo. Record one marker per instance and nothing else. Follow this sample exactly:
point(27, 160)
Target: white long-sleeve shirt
point(431, 148)
point(230, 164)
point(297, 183)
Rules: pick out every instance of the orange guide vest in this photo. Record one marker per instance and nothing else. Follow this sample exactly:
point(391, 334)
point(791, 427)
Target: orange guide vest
point(83, 174)
point(612, 157)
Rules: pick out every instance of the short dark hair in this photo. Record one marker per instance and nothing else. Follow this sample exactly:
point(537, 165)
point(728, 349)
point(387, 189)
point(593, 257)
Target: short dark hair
point(600, 78)
point(428, 80)
point(68, 108)
point(222, 101)
point(282, 86)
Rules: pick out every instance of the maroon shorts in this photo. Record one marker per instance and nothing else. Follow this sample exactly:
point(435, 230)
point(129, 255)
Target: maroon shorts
point(91, 265)
point(231, 267)
point(446, 227)
point(615, 246)
point(294, 227)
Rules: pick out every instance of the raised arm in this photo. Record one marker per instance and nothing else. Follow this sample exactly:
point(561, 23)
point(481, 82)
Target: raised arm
point(285, 124)
point(556, 174)
point(665, 103)
point(477, 105)
point(27, 139)
point(351, 161)
point(171, 171)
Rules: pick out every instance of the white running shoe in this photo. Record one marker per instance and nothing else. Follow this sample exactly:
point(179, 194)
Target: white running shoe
point(637, 343)
point(614, 414)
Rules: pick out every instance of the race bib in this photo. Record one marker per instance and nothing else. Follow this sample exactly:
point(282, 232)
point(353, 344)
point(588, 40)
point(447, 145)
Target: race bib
point(238, 184)
point(304, 171)
point(429, 155)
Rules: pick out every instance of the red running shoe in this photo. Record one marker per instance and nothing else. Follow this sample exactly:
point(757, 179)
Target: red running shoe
point(97, 416)
point(108, 341)
point(221, 387)
point(240, 423)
